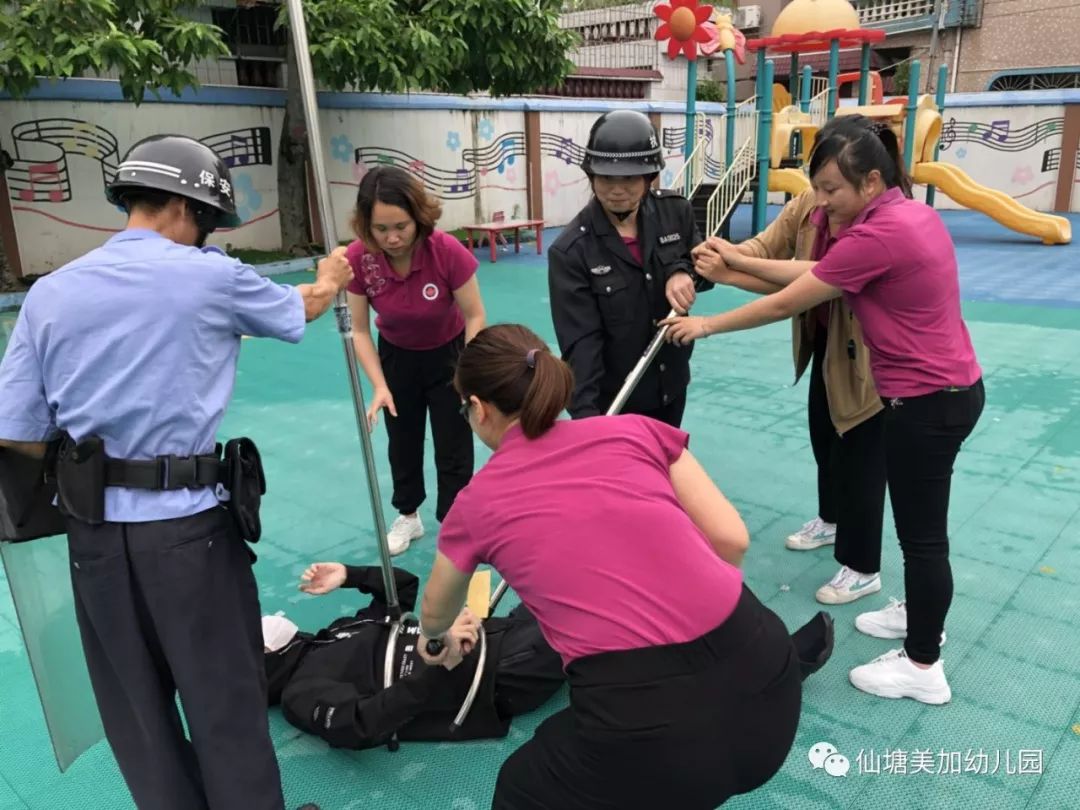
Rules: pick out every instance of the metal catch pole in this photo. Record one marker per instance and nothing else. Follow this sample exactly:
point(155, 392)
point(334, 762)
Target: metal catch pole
point(341, 307)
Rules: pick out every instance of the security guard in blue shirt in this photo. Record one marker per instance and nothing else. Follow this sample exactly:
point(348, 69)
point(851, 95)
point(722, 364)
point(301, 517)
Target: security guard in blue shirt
point(619, 267)
point(130, 351)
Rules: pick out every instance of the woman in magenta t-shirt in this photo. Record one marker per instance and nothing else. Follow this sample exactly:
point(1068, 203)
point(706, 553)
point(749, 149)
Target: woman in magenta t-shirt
point(896, 267)
point(422, 284)
point(684, 688)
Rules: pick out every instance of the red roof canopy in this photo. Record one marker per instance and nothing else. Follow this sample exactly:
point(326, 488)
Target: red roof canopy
point(816, 40)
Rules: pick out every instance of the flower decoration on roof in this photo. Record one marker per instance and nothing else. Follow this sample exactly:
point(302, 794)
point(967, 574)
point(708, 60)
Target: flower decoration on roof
point(724, 36)
point(683, 26)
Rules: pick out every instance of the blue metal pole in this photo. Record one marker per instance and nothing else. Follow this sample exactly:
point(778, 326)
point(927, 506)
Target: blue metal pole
point(912, 106)
point(729, 131)
point(834, 70)
point(729, 123)
point(942, 77)
point(864, 75)
point(691, 106)
point(761, 198)
point(807, 84)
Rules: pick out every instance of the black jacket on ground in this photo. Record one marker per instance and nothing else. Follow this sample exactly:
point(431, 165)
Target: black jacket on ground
point(605, 306)
point(331, 683)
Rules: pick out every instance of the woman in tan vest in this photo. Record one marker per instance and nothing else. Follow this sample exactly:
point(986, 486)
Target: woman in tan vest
point(844, 408)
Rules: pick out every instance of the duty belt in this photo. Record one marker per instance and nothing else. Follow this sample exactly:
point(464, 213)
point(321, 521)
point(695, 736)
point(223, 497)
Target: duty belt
point(166, 472)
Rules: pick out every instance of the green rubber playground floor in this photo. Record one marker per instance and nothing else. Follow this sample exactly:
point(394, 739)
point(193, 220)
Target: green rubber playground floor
point(1009, 739)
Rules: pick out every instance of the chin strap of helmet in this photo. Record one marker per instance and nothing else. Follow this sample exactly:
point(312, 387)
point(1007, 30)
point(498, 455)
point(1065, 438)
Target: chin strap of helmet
point(206, 220)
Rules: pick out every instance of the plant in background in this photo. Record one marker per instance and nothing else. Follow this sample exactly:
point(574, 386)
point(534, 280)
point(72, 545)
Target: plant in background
point(901, 79)
point(711, 90)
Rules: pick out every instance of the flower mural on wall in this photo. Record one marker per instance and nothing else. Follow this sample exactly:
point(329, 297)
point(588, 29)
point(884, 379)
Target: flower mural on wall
point(453, 141)
point(1023, 175)
point(248, 199)
point(666, 178)
point(341, 148)
point(511, 175)
point(683, 26)
point(486, 129)
point(551, 183)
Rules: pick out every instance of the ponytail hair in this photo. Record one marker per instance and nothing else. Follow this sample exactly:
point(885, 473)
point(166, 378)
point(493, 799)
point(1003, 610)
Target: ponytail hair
point(509, 366)
point(859, 145)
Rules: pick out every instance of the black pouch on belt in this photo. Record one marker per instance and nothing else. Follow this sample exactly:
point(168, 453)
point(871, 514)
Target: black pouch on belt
point(247, 484)
point(27, 488)
point(80, 479)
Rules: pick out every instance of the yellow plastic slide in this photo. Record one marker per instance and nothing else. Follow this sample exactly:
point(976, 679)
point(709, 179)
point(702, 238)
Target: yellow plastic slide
point(995, 204)
point(789, 181)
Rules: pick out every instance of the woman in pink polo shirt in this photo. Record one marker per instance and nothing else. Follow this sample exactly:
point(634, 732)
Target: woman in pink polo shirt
point(895, 266)
point(422, 284)
point(684, 688)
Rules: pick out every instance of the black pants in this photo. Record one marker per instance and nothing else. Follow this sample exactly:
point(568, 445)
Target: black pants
point(671, 413)
point(421, 382)
point(850, 474)
point(923, 436)
point(683, 726)
point(172, 607)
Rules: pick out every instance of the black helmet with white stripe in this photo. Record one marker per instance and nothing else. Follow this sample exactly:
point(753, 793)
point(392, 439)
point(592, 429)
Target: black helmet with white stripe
point(623, 143)
point(181, 166)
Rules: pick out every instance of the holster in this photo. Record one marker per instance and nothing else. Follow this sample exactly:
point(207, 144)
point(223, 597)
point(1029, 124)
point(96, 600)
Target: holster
point(81, 479)
point(246, 483)
point(27, 490)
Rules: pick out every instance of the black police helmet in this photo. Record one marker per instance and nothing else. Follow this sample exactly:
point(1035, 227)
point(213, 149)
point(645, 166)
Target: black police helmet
point(182, 166)
point(623, 143)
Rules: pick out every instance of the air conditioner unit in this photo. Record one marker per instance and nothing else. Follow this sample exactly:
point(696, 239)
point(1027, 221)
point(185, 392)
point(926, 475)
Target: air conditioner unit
point(747, 17)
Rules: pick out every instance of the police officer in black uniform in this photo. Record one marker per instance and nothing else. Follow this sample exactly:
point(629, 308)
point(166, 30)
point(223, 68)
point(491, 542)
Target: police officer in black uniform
point(618, 268)
point(128, 355)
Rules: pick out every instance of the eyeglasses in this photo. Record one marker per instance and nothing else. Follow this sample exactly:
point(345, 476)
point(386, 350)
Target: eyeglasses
point(464, 409)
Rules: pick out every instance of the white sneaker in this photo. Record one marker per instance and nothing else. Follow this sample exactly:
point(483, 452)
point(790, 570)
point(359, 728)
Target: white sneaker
point(847, 586)
point(402, 532)
point(889, 622)
point(814, 534)
point(893, 675)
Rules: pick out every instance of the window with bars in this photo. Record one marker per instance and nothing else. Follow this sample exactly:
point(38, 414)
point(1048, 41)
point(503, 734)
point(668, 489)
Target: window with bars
point(882, 11)
point(1036, 80)
point(256, 45)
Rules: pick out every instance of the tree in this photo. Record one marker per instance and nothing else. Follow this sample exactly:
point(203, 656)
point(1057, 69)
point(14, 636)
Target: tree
point(451, 46)
point(150, 44)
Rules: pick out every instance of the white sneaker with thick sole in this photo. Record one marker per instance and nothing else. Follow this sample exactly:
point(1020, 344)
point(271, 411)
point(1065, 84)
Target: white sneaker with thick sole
point(893, 675)
point(402, 532)
point(847, 586)
point(814, 534)
point(889, 622)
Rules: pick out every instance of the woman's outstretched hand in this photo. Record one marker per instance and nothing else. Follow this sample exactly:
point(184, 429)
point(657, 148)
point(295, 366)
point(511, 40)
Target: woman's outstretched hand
point(685, 329)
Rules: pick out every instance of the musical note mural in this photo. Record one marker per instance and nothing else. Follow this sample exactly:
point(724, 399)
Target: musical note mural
point(1012, 149)
point(1051, 160)
point(449, 184)
point(243, 147)
point(40, 172)
point(1000, 135)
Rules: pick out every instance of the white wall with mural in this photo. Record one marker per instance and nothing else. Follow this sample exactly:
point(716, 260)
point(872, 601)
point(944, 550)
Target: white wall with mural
point(470, 154)
point(473, 160)
point(64, 153)
point(563, 136)
point(1012, 149)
